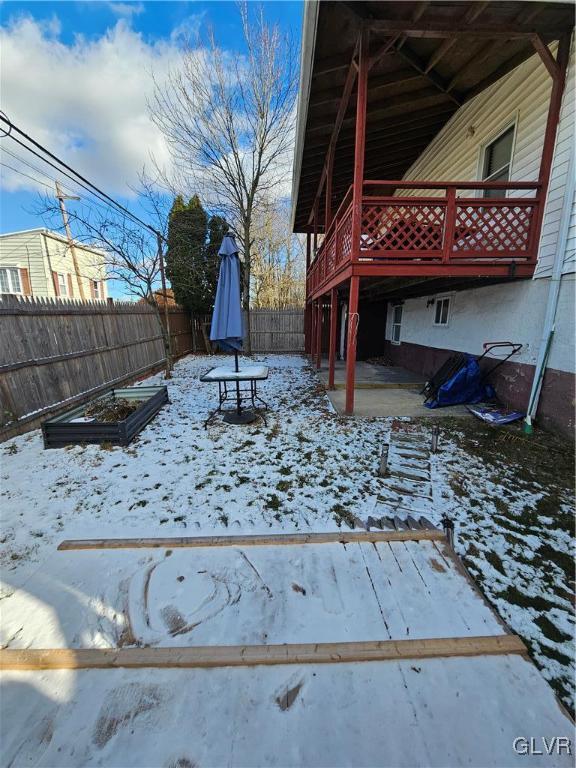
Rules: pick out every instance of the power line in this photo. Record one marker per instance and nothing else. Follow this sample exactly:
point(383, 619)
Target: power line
point(43, 183)
point(14, 128)
point(79, 183)
point(100, 204)
point(26, 175)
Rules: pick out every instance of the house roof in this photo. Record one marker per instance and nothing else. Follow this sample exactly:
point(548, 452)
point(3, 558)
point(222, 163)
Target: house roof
point(54, 235)
point(439, 55)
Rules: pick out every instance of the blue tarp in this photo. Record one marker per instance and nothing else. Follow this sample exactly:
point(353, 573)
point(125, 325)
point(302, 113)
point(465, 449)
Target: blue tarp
point(227, 329)
point(465, 386)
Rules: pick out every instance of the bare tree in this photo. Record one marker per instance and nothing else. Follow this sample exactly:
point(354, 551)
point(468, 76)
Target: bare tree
point(278, 262)
point(129, 251)
point(229, 123)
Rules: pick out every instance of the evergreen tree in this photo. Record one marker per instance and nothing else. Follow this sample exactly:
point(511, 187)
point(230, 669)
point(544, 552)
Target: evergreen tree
point(217, 228)
point(187, 234)
point(192, 261)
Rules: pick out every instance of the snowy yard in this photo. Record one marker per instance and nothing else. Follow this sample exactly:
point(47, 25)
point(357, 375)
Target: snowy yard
point(308, 469)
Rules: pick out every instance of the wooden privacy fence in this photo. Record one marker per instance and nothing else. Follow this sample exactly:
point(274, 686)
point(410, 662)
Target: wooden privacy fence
point(277, 330)
point(54, 353)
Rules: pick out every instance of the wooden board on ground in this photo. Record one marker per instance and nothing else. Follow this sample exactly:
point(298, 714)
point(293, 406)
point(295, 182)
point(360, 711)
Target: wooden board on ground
point(254, 540)
point(257, 655)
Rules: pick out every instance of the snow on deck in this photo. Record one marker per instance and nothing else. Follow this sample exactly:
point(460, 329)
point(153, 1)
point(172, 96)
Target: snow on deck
point(439, 712)
point(420, 712)
point(253, 595)
point(307, 470)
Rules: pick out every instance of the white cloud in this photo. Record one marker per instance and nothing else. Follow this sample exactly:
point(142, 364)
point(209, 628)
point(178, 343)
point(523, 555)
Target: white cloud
point(86, 102)
point(127, 9)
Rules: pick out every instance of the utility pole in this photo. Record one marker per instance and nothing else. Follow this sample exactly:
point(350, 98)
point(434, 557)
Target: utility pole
point(61, 197)
point(166, 313)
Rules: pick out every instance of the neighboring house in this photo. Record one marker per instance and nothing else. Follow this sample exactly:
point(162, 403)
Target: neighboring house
point(159, 297)
point(40, 263)
point(444, 134)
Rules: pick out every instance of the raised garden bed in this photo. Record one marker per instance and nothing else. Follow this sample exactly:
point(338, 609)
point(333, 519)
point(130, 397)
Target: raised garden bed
point(110, 418)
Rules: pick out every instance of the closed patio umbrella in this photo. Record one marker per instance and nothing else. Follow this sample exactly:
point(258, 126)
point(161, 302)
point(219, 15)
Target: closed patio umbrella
point(227, 330)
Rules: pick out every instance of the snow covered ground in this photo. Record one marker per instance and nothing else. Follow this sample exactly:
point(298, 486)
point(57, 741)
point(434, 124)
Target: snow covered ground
point(308, 469)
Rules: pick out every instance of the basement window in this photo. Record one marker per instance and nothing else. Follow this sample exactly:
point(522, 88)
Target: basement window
point(442, 311)
point(396, 323)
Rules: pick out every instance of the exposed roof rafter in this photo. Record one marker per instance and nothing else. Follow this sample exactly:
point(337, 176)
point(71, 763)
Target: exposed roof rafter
point(437, 29)
point(438, 82)
point(473, 13)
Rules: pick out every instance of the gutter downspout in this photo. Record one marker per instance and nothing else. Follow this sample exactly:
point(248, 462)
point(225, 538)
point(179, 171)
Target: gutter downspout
point(548, 327)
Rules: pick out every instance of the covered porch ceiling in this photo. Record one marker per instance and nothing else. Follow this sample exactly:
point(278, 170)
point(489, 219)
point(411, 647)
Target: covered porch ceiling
point(428, 58)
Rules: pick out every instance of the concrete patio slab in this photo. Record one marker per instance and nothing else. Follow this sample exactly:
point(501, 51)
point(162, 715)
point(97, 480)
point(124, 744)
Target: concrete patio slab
point(382, 390)
point(369, 375)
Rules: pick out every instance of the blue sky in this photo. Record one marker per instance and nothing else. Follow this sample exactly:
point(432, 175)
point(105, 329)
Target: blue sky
point(154, 20)
point(76, 76)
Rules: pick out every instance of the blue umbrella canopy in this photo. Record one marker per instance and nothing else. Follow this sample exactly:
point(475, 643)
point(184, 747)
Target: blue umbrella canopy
point(227, 328)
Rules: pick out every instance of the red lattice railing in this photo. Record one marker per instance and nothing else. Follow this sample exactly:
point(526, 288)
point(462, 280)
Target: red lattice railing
point(492, 229)
point(335, 251)
point(403, 234)
point(403, 227)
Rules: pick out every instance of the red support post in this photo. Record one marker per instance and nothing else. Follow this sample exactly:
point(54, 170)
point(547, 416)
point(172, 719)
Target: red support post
point(360, 142)
point(353, 321)
point(449, 224)
point(357, 194)
point(558, 84)
point(333, 326)
point(319, 334)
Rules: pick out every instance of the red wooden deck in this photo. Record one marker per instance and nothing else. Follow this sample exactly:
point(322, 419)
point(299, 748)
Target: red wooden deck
point(456, 233)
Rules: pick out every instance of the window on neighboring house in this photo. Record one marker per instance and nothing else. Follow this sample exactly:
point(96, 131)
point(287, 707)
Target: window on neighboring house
point(442, 311)
point(497, 160)
point(10, 280)
point(96, 289)
point(62, 285)
point(396, 323)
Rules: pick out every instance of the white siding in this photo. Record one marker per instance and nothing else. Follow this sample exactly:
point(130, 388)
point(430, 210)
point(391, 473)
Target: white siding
point(506, 312)
point(90, 265)
point(41, 254)
point(521, 96)
point(24, 251)
point(556, 194)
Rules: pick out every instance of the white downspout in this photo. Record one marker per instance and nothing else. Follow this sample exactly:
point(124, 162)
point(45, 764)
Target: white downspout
point(553, 294)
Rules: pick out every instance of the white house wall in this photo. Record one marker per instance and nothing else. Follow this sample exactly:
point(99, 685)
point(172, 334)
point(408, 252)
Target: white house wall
point(23, 250)
point(42, 254)
point(522, 96)
point(563, 150)
point(506, 312)
point(90, 264)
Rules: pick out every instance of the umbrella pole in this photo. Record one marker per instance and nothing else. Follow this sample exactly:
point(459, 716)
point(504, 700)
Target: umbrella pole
point(237, 382)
